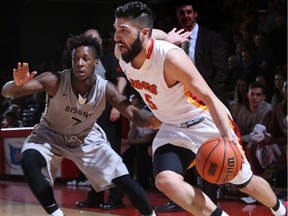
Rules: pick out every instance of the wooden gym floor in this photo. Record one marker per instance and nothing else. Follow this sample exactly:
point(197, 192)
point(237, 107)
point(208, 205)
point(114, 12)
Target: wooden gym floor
point(16, 199)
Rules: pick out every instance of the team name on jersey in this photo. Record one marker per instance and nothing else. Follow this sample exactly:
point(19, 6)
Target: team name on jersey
point(138, 84)
point(76, 110)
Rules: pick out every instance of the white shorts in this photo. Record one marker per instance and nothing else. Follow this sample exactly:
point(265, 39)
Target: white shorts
point(192, 138)
point(94, 157)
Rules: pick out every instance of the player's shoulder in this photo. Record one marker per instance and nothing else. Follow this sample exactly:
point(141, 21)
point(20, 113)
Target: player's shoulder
point(164, 46)
point(48, 75)
point(164, 43)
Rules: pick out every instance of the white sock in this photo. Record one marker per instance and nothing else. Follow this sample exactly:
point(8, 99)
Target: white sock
point(281, 210)
point(58, 212)
point(224, 213)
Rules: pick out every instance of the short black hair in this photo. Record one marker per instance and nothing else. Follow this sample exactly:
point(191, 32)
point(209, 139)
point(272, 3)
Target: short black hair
point(254, 85)
point(194, 3)
point(138, 11)
point(75, 41)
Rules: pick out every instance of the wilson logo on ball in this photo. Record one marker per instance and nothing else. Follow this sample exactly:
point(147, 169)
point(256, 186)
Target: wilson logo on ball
point(218, 160)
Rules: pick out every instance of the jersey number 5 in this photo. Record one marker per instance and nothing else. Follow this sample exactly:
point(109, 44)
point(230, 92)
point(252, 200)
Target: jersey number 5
point(149, 101)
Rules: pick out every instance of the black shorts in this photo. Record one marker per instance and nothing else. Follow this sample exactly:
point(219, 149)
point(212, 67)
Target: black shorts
point(173, 158)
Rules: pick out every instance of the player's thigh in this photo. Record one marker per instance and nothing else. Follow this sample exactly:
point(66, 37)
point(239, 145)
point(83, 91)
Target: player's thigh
point(173, 158)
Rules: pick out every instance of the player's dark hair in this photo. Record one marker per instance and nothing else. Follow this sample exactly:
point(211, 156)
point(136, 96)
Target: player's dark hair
point(75, 41)
point(137, 11)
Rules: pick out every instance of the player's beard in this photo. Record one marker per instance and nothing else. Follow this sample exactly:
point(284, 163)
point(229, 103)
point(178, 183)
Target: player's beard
point(136, 48)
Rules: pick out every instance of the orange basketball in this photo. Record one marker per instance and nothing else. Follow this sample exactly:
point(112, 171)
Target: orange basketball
point(218, 160)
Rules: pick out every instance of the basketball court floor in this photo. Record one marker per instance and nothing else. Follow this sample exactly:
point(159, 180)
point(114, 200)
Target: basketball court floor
point(17, 200)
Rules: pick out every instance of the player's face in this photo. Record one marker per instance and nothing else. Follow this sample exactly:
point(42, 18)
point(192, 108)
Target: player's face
point(127, 38)
point(187, 17)
point(83, 62)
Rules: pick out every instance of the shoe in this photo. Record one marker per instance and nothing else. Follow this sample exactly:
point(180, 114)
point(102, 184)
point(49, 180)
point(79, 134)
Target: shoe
point(87, 204)
point(109, 205)
point(71, 183)
point(170, 207)
point(83, 183)
point(248, 200)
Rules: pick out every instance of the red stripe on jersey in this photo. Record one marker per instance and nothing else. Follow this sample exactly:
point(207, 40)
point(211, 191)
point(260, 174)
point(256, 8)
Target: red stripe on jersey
point(235, 129)
point(150, 49)
point(194, 99)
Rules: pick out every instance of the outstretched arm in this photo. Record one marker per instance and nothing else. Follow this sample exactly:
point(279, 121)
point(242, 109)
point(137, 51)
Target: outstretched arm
point(21, 76)
point(24, 82)
point(141, 118)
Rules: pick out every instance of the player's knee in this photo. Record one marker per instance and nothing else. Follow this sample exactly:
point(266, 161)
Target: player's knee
point(31, 158)
point(251, 185)
point(164, 181)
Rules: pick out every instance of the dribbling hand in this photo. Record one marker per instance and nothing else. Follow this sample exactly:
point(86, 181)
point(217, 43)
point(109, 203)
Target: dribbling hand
point(21, 75)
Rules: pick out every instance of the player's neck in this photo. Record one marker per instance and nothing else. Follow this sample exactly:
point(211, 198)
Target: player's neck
point(145, 53)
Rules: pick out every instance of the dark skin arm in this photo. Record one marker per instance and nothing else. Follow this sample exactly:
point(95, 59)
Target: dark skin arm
point(26, 83)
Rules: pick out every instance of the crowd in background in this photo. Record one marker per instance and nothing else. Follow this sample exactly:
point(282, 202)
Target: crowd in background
point(255, 34)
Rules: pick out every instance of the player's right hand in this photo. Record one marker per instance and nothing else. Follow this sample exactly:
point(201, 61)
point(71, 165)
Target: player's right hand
point(21, 75)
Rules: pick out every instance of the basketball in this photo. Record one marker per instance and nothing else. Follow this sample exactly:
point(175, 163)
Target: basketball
point(218, 160)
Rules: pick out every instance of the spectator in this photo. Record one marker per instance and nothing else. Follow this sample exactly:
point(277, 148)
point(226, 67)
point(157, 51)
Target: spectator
point(247, 39)
point(261, 78)
point(253, 120)
point(257, 111)
point(278, 96)
point(248, 66)
point(234, 73)
point(264, 59)
point(240, 97)
point(10, 120)
point(240, 47)
point(207, 49)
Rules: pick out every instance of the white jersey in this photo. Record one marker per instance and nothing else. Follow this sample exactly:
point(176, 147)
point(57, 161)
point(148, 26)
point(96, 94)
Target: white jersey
point(173, 105)
point(176, 106)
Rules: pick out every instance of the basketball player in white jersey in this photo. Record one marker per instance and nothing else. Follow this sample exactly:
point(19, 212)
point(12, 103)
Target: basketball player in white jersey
point(180, 98)
point(67, 129)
